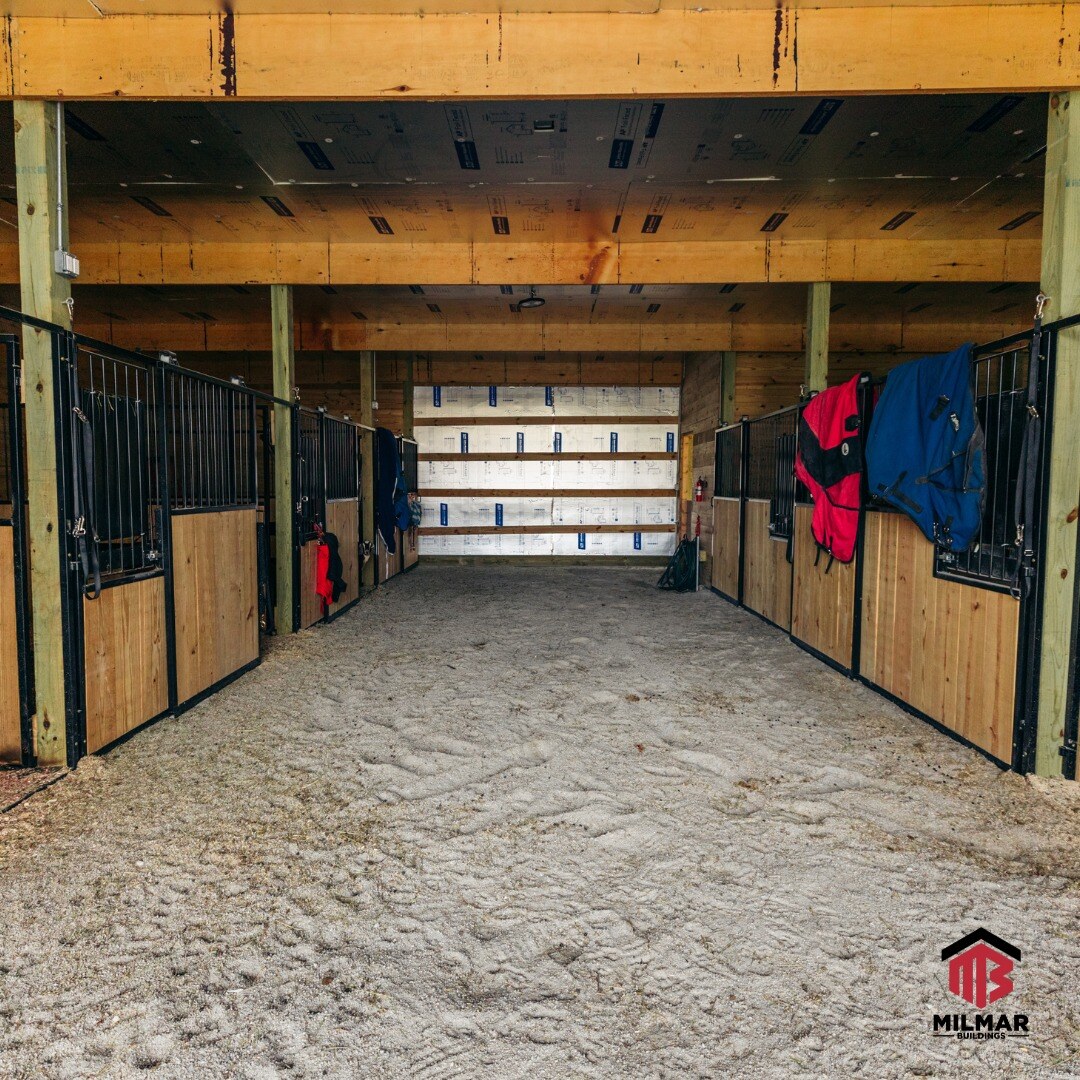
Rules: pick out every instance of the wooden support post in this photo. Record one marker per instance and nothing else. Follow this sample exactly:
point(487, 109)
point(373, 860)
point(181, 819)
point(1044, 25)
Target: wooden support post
point(818, 302)
point(407, 424)
point(41, 183)
point(728, 361)
point(367, 472)
point(284, 361)
point(1061, 282)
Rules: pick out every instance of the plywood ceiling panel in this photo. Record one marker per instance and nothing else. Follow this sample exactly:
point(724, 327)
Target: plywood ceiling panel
point(937, 167)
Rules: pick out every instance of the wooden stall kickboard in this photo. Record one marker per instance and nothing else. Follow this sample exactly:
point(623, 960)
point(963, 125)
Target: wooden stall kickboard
point(823, 596)
point(343, 520)
point(726, 555)
point(216, 601)
point(126, 664)
point(766, 571)
point(311, 606)
point(945, 648)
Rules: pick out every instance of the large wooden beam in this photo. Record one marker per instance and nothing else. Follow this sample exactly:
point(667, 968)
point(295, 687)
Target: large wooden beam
point(673, 51)
point(534, 334)
point(366, 364)
point(1061, 281)
point(816, 368)
point(40, 178)
point(608, 262)
point(284, 368)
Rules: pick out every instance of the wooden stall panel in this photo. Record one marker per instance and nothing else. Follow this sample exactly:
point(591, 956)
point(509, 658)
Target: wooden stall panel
point(126, 665)
point(766, 571)
point(343, 520)
point(725, 572)
point(389, 565)
point(947, 649)
point(216, 597)
point(823, 596)
point(410, 550)
point(311, 609)
point(10, 720)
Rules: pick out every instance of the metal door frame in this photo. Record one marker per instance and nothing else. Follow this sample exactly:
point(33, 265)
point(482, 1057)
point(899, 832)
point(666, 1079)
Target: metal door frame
point(10, 346)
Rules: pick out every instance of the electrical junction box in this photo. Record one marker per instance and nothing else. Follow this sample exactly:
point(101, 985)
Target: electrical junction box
point(65, 264)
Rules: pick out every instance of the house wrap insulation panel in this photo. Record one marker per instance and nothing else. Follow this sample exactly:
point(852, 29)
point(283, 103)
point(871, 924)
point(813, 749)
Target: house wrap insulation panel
point(570, 439)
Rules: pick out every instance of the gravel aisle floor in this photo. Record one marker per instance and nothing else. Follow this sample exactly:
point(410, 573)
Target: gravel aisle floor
point(537, 823)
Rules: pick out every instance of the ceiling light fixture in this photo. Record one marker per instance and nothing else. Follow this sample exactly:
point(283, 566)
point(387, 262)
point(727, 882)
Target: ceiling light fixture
point(532, 300)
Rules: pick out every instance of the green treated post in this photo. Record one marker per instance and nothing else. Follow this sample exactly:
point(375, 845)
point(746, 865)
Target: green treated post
point(1061, 282)
point(728, 361)
point(367, 468)
point(284, 363)
point(818, 302)
point(41, 183)
point(407, 422)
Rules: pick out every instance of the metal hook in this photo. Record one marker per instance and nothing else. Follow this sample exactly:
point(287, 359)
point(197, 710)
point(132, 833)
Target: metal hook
point(1040, 302)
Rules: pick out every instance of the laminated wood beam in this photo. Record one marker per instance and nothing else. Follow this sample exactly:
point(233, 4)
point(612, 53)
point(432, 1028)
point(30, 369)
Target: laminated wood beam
point(284, 374)
point(672, 51)
point(1061, 282)
point(586, 262)
point(40, 179)
point(535, 335)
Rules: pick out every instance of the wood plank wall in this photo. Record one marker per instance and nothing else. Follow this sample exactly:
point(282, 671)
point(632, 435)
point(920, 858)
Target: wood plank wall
point(215, 582)
point(947, 649)
point(725, 541)
point(766, 571)
point(10, 720)
point(126, 662)
point(823, 596)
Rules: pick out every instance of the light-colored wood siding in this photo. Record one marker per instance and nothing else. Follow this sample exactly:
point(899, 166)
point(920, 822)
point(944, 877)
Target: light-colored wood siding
point(215, 586)
point(726, 555)
point(343, 520)
point(10, 724)
point(766, 571)
point(823, 597)
point(126, 664)
point(947, 649)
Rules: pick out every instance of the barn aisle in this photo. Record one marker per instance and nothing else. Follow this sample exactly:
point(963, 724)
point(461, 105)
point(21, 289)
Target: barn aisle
point(532, 822)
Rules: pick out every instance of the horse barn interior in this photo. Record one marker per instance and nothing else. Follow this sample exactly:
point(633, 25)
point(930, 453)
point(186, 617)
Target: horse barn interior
point(364, 370)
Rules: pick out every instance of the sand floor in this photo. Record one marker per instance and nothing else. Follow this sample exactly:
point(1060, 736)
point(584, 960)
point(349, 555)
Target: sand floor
point(535, 823)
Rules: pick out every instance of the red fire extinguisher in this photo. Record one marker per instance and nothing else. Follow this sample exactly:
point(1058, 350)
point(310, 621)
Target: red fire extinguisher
point(699, 489)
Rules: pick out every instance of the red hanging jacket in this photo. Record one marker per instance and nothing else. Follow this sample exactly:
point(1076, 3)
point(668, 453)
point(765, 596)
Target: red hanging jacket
point(830, 464)
point(324, 587)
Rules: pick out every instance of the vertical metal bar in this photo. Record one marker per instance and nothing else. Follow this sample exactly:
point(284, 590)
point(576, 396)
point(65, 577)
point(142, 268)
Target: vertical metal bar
point(69, 461)
point(23, 635)
point(164, 403)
